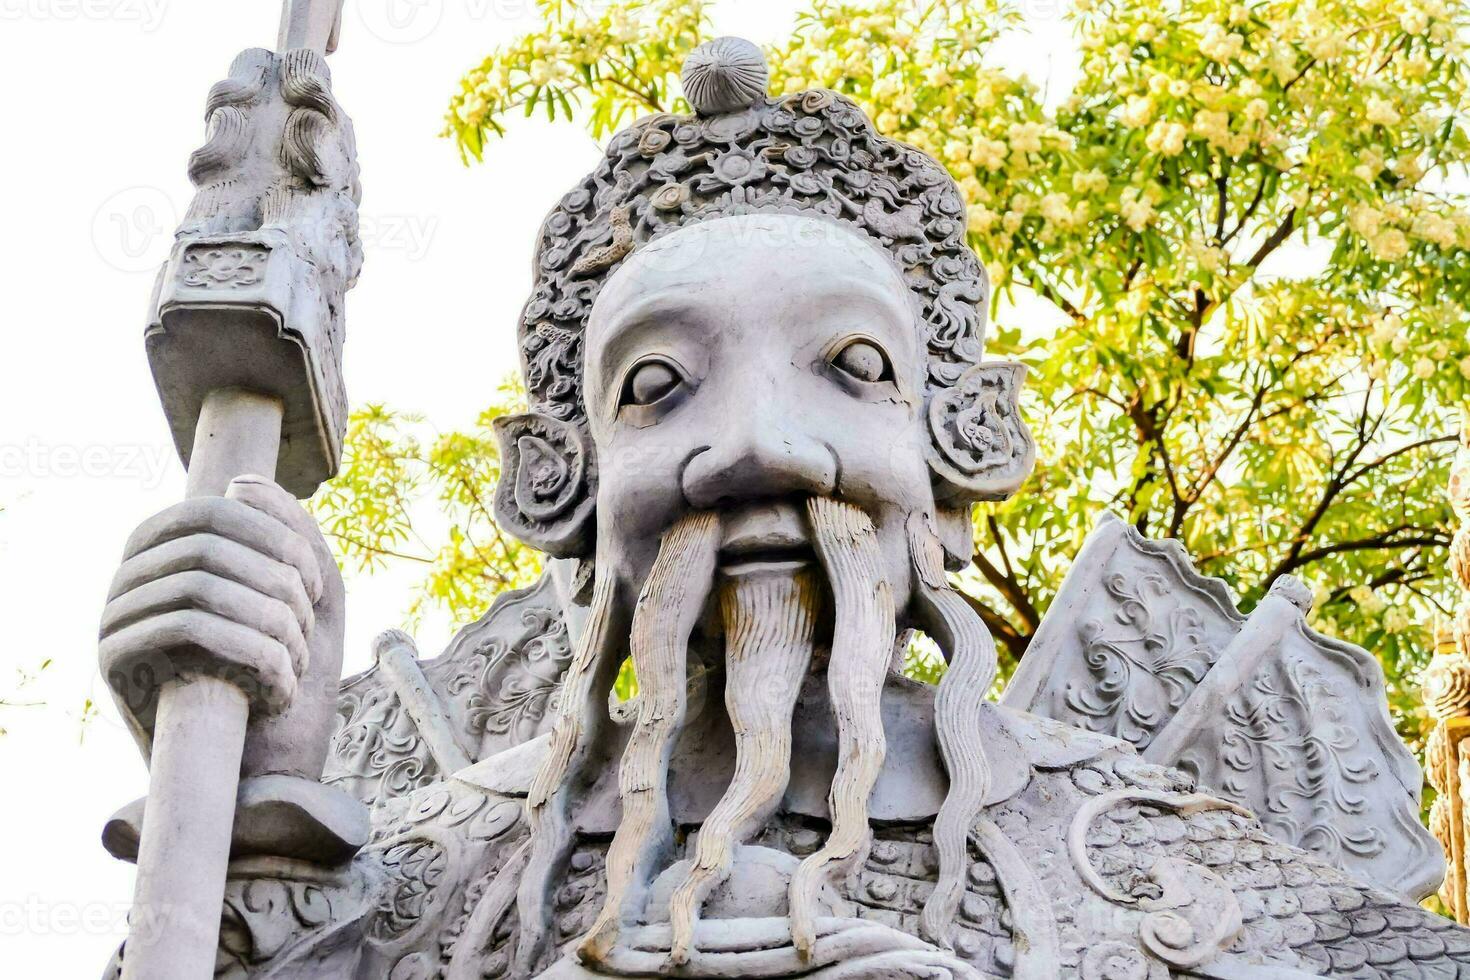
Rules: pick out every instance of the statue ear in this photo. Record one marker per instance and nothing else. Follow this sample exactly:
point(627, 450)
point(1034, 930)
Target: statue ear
point(548, 484)
point(980, 449)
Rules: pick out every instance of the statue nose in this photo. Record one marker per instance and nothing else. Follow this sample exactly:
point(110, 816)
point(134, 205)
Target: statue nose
point(756, 458)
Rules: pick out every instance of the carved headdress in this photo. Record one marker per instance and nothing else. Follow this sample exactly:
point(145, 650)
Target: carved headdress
point(813, 153)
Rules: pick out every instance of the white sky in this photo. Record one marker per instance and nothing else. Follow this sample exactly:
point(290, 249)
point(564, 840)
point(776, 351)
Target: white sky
point(103, 105)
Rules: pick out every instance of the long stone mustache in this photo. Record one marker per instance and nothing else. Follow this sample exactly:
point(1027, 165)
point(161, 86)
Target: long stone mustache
point(864, 628)
point(667, 610)
point(957, 713)
point(581, 723)
point(769, 621)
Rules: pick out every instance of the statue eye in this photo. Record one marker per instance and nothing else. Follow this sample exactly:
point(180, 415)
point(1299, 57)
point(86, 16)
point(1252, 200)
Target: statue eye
point(650, 382)
point(864, 361)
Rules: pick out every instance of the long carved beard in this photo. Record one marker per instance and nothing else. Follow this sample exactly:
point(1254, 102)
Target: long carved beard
point(769, 621)
point(668, 608)
point(862, 646)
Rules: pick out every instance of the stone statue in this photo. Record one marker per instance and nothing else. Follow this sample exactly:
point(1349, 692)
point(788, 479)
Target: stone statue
point(759, 420)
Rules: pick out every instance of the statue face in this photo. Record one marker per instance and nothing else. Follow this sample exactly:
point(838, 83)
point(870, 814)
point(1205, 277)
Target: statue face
point(742, 365)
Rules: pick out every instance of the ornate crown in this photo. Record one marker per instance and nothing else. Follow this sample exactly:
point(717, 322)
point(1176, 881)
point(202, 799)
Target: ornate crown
point(813, 152)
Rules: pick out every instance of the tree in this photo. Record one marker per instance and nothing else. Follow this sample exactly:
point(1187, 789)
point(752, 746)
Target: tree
point(391, 464)
point(1280, 417)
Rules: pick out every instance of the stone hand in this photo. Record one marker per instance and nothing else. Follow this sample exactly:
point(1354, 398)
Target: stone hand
point(237, 586)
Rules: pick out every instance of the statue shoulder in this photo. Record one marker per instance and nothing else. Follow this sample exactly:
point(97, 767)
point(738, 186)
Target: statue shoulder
point(1269, 713)
point(1144, 869)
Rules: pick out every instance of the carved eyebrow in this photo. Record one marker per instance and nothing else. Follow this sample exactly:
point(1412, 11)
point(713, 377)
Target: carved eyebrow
point(899, 323)
point(621, 338)
point(661, 305)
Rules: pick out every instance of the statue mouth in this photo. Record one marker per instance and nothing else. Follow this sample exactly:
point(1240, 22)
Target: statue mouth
point(766, 536)
point(765, 560)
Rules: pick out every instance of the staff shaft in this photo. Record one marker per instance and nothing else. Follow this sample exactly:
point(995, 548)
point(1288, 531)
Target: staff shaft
point(198, 740)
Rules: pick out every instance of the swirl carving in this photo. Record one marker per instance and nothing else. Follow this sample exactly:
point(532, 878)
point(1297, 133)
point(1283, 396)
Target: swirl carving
point(984, 447)
point(1143, 663)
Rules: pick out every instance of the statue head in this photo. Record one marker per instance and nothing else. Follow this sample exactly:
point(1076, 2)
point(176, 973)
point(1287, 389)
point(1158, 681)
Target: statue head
point(753, 355)
point(812, 155)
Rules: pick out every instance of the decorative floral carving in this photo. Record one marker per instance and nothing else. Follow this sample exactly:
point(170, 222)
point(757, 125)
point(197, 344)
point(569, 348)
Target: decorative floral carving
point(985, 447)
point(377, 752)
point(511, 685)
point(1288, 730)
point(548, 484)
point(286, 919)
point(224, 266)
point(1115, 961)
point(263, 915)
point(1143, 663)
point(416, 867)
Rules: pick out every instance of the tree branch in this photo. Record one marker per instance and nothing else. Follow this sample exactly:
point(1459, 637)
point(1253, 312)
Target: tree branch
point(1009, 588)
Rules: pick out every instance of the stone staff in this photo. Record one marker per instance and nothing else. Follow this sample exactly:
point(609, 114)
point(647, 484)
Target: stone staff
point(245, 347)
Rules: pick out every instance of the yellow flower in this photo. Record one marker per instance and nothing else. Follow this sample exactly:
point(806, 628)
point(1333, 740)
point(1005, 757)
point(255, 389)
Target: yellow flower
point(1389, 245)
point(1414, 21)
point(1435, 228)
point(1213, 126)
point(1256, 109)
point(1137, 211)
point(1465, 367)
point(1365, 220)
point(1424, 369)
point(1381, 112)
point(938, 76)
point(1387, 329)
point(1090, 182)
point(1179, 88)
point(1056, 209)
point(1012, 221)
point(470, 109)
point(980, 218)
point(1327, 46)
point(1025, 137)
point(1221, 45)
point(1138, 111)
point(1166, 138)
point(987, 153)
point(1363, 595)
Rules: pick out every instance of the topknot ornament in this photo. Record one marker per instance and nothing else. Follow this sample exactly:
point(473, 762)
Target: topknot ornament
point(724, 75)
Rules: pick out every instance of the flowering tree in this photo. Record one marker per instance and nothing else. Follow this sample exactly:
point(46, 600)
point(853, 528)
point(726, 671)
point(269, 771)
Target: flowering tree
point(1246, 223)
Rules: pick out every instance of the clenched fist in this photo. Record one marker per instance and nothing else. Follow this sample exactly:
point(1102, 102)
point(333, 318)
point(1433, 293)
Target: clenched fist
point(241, 587)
